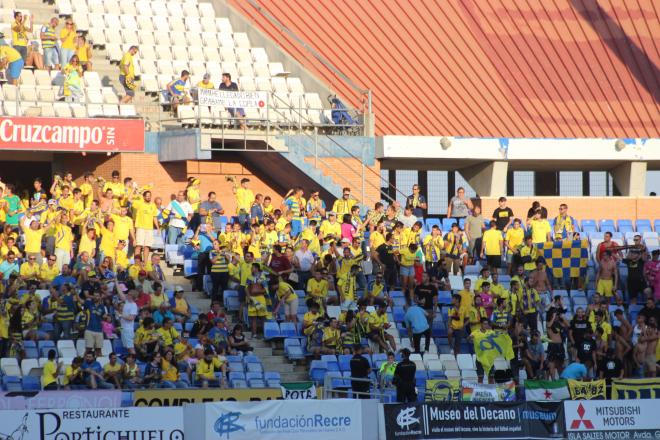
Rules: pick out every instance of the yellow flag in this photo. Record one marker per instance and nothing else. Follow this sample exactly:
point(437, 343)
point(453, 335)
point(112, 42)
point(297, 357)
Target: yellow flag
point(443, 390)
point(490, 345)
point(587, 390)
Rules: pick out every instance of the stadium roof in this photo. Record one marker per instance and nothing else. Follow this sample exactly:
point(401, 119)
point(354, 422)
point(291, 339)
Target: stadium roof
point(491, 68)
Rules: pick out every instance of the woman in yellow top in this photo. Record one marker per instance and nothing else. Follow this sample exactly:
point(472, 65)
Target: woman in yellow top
point(407, 256)
point(33, 236)
point(289, 299)
point(68, 41)
point(192, 193)
point(171, 377)
point(84, 53)
point(108, 246)
point(50, 372)
point(11, 60)
point(87, 241)
point(19, 33)
point(73, 74)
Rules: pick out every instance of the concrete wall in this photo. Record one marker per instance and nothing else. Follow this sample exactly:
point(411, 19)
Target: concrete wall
point(584, 207)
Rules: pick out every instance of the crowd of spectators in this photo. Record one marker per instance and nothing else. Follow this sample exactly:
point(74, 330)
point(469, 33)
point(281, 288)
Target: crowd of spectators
point(88, 246)
point(47, 48)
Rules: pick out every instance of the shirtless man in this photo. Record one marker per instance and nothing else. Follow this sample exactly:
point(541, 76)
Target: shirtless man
point(608, 276)
point(650, 337)
point(538, 280)
point(606, 245)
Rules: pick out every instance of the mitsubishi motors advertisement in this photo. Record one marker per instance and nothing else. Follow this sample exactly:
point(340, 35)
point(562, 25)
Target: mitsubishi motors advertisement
point(63, 134)
point(612, 419)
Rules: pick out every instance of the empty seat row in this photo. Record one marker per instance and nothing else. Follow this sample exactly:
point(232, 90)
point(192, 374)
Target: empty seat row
point(187, 8)
point(162, 23)
point(66, 110)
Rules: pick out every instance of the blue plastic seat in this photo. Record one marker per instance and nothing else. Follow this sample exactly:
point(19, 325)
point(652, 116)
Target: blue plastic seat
point(430, 222)
point(236, 375)
point(240, 384)
point(399, 314)
point(252, 375)
point(317, 370)
point(288, 330)
point(345, 362)
point(31, 383)
point(656, 226)
point(330, 362)
point(236, 366)
point(644, 225)
point(255, 367)
point(625, 225)
point(607, 225)
point(257, 383)
point(271, 330)
point(589, 225)
point(230, 297)
point(444, 297)
point(272, 375)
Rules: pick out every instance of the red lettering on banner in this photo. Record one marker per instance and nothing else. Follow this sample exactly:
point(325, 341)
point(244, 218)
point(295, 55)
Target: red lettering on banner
point(59, 134)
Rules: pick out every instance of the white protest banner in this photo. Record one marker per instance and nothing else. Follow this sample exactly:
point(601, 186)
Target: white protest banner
point(289, 419)
point(227, 99)
point(97, 423)
point(298, 390)
point(611, 419)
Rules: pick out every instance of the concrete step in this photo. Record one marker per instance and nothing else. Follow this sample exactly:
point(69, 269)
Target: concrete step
point(263, 352)
point(277, 366)
point(294, 377)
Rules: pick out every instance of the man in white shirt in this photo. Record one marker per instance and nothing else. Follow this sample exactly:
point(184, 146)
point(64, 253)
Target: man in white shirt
point(303, 260)
point(180, 214)
point(127, 319)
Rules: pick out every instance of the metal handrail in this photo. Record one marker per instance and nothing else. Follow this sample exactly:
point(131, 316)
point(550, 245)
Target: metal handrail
point(323, 60)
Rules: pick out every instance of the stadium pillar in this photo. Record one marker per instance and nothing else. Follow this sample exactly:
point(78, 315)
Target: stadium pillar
point(488, 179)
point(630, 178)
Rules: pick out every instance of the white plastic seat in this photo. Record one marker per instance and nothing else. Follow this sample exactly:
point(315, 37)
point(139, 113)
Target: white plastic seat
point(62, 110)
point(174, 9)
point(149, 83)
point(259, 55)
point(186, 114)
point(275, 68)
point(42, 78)
point(227, 54)
point(223, 25)
point(97, 37)
point(279, 85)
point(78, 110)
point(147, 67)
point(109, 96)
point(47, 110)
point(146, 39)
point(263, 84)
point(469, 375)
point(63, 7)
point(180, 53)
point(96, 8)
point(9, 362)
point(465, 361)
point(114, 52)
point(179, 66)
point(27, 78)
point(165, 67)
point(247, 83)
point(130, 37)
point(206, 10)
point(226, 40)
point(230, 68)
point(207, 24)
point(210, 40)
point(193, 24)
point(245, 69)
point(261, 69)
point(94, 110)
point(159, 8)
point(211, 54)
point(453, 374)
point(92, 79)
point(434, 365)
point(112, 22)
point(160, 23)
point(128, 22)
point(27, 365)
point(28, 93)
point(128, 8)
point(197, 68)
point(177, 25)
point(94, 96)
point(10, 92)
point(243, 55)
point(313, 101)
point(127, 110)
point(147, 53)
point(241, 40)
point(146, 25)
point(295, 85)
point(194, 40)
point(163, 81)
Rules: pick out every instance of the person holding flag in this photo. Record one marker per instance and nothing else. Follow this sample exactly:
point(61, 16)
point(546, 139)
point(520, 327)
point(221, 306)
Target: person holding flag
point(180, 213)
point(489, 345)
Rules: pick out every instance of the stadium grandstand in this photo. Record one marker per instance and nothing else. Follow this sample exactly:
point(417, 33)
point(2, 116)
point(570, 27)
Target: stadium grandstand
point(412, 205)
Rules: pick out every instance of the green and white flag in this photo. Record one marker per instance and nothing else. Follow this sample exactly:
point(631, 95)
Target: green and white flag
point(546, 390)
point(298, 390)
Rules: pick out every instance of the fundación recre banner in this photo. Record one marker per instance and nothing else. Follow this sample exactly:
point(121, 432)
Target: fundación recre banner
point(462, 420)
point(335, 419)
point(227, 99)
point(79, 134)
point(612, 419)
point(94, 423)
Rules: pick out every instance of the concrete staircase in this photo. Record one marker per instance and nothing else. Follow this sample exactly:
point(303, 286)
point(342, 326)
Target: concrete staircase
point(270, 353)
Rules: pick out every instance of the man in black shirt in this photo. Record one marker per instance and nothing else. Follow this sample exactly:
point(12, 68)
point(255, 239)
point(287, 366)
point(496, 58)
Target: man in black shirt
point(650, 310)
point(579, 325)
point(427, 296)
point(230, 86)
point(360, 369)
point(503, 215)
point(386, 259)
point(586, 349)
point(610, 367)
point(404, 379)
point(636, 282)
